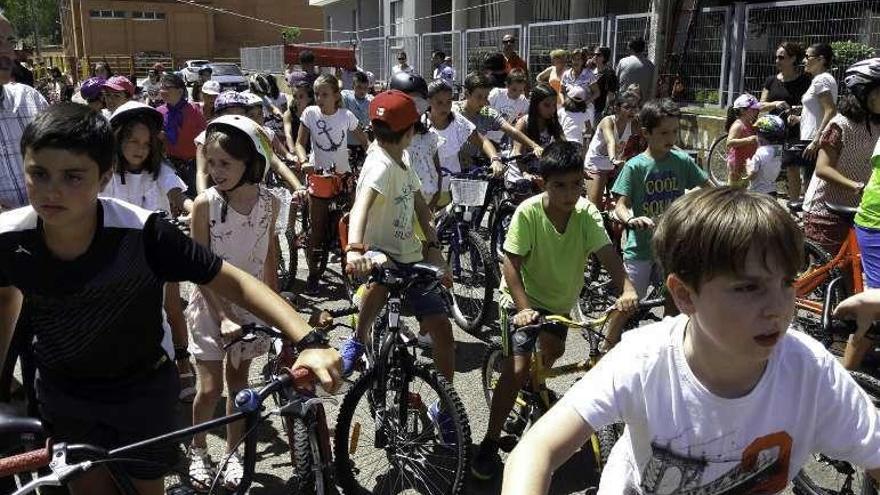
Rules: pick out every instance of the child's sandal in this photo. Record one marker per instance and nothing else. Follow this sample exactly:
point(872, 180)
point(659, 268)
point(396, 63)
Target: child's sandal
point(201, 470)
point(233, 471)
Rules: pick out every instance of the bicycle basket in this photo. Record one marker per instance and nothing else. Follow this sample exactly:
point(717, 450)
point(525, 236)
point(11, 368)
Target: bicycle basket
point(467, 192)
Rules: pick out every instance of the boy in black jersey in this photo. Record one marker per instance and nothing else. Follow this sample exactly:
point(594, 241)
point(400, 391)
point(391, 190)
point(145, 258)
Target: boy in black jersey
point(91, 273)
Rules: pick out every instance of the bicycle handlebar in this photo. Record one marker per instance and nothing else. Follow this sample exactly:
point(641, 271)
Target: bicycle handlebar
point(27, 461)
point(543, 320)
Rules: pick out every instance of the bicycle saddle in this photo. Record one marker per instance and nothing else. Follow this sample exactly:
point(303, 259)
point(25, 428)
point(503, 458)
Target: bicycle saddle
point(428, 269)
point(13, 423)
point(847, 213)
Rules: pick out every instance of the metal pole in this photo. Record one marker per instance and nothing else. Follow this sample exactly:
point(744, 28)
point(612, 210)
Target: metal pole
point(35, 26)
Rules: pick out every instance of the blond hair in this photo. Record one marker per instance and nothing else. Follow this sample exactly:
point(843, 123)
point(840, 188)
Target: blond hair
point(710, 232)
point(559, 53)
point(331, 82)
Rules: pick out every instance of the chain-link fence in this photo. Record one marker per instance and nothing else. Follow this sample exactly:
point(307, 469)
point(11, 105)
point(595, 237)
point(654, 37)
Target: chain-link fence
point(481, 42)
point(769, 25)
point(449, 43)
point(702, 64)
point(263, 59)
point(371, 56)
point(547, 36)
point(406, 44)
point(627, 27)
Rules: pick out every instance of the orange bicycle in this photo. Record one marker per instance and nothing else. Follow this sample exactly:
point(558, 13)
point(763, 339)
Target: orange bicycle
point(813, 290)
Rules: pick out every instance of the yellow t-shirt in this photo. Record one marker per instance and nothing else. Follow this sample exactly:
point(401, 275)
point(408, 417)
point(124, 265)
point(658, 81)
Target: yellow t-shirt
point(391, 218)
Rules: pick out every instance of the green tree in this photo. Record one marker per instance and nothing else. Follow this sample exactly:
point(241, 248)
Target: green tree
point(21, 15)
point(290, 34)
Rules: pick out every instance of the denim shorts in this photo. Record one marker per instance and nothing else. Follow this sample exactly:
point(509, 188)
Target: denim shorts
point(869, 245)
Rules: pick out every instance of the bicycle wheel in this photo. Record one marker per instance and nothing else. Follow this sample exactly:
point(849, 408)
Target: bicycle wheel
point(715, 163)
point(524, 410)
point(606, 437)
point(473, 282)
point(825, 476)
point(499, 228)
point(598, 293)
point(414, 458)
point(810, 322)
point(297, 238)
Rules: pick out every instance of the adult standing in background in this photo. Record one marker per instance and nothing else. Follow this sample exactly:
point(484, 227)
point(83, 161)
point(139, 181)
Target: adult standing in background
point(402, 66)
point(442, 70)
point(782, 92)
point(19, 105)
point(514, 61)
point(182, 123)
point(606, 80)
point(637, 69)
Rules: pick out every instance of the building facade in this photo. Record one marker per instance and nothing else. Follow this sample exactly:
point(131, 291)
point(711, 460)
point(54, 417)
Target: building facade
point(92, 28)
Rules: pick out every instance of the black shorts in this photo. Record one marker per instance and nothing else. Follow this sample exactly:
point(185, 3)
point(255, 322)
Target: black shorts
point(148, 413)
point(517, 343)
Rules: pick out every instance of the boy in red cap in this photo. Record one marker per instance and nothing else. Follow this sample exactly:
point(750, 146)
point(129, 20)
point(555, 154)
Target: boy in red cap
point(387, 203)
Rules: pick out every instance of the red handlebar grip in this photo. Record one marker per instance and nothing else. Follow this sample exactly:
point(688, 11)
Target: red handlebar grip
point(303, 378)
point(28, 461)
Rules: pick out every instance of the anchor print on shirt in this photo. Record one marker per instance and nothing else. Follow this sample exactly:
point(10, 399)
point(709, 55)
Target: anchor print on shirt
point(325, 130)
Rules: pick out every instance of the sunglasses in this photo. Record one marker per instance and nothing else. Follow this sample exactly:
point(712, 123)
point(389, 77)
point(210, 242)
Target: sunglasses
point(508, 42)
point(401, 60)
point(781, 57)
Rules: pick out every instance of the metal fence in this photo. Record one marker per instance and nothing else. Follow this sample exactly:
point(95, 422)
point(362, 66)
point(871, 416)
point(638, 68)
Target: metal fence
point(396, 44)
point(547, 36)
point(483, 41)
point(703, 65)
point(448, 42)
point(263, 59)
point(806, 22)
point(372, 56)
point(627, 27)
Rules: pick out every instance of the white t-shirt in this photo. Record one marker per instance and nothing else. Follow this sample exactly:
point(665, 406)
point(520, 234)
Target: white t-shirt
point(391, 218)
point(450, 142)
point(813, 113)
point(329, 135)
point(408, 70)
point(767, 162)
point(511, 109)
point(676, 428)
point(573, 124)
point(422, 151)
point(144, 191)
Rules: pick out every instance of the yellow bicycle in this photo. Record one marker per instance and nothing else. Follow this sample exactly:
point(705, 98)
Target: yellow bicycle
point(536, 397)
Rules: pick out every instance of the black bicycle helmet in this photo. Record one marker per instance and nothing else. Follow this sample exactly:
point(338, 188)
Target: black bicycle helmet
point(409, 83)
point(862, 77)
point(259, 84)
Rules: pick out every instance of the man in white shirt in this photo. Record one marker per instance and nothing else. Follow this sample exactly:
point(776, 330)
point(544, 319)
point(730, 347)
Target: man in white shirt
point(19, 105)
point(402, 66)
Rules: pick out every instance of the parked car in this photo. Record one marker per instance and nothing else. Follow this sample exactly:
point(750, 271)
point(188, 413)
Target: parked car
point(229, 76)
point(190, 70)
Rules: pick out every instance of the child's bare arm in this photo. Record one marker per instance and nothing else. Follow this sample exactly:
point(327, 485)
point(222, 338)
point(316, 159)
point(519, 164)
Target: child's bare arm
point(624, 212)
point(609, 258)
point(180, 205)
point(10, 306)
point(361, 136)
point(357, 264)
point(733, 139)
point(201, 169)
point(285, 173)
point(302, 139)
point(545, 447)
point(270, 266)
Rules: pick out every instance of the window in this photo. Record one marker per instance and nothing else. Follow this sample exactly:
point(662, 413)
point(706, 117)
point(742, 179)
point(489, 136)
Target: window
point(396, 12)
point(148, 16)
point(107, 14)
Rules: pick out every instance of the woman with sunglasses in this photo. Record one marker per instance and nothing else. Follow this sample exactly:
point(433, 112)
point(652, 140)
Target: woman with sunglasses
point(781, 93)
point(402, 66)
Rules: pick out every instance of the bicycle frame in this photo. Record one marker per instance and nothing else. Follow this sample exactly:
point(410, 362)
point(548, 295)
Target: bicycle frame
point(848, 258)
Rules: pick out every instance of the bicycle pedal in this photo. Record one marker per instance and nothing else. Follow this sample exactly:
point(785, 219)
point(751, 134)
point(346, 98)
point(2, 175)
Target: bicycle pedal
point(507, 443)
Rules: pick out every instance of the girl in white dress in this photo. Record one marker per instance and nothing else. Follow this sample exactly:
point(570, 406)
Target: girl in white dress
point(236, 219)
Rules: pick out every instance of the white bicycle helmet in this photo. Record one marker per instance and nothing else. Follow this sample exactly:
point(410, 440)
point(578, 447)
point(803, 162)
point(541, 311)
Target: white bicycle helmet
point(136, 109)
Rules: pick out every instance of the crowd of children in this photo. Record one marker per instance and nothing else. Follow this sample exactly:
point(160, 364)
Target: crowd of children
point(96, 173)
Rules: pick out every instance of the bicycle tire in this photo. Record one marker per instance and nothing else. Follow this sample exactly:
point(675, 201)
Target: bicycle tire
point(598, 293)
point(715, 163)
point(297, 226)
point(806, 321)
point(492, 356)
point(347, 441)
point(607, 436)
point(469, 313)
point(804, 484)
point(298, 439)
point(499, 227)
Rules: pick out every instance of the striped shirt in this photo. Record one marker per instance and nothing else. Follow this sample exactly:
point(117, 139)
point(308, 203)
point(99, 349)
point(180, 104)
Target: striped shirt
point(19, 105)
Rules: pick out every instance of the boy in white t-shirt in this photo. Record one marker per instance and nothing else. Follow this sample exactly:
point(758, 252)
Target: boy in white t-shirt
point(510, 100)
point(722, 395)
point(762, 169)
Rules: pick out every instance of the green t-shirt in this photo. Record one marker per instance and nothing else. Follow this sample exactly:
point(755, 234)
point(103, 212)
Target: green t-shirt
point(651, 186)
point(869, 208)
point(553, 264)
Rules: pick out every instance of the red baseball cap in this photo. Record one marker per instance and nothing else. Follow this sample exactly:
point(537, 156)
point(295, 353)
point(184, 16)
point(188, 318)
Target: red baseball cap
point(395, 108)
point(120, 83)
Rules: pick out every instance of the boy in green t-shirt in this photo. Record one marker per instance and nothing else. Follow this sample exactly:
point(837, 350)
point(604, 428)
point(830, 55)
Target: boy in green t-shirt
point(549, 240)
point(647, 185)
